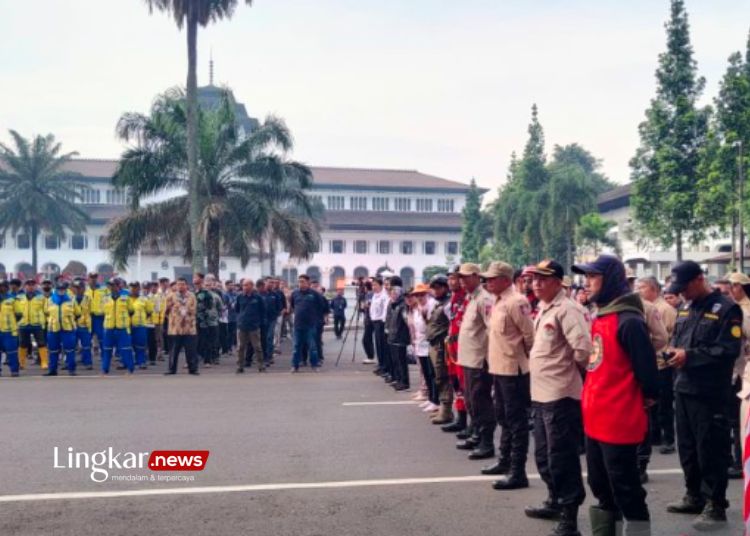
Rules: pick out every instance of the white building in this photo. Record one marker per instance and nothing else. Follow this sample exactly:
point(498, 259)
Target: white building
point(649, 258)
point(375, 219)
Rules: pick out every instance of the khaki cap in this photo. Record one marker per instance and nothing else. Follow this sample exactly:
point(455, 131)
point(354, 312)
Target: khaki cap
point(739, 278)
point(421, 288)
point(469, 268)
point(567, 281)
point(498, 269)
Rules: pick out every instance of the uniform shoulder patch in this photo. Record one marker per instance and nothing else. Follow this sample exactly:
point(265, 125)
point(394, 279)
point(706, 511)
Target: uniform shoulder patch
point(736, 332)
point(716, 308)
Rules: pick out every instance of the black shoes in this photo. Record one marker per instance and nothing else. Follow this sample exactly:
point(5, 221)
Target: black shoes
point(168, 373)
point(568, 525)
point(515, 481)
point(549, 509)
point(734, 473)
point(51, 373)
point(688, 505)
point(713, 517)
point(467, 444)
point(456, 426)
point(482, 452)
point(400, 387)
point(501, 467)
point(240, 370)
point(667, 449)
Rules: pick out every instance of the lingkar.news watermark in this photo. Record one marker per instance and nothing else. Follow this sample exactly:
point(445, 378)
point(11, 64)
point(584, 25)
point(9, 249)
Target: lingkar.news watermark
point(101, 464)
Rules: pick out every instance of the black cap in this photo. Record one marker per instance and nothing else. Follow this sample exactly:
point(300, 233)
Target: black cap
point(47, 282)
point(61, 285)
point(16, 282)
point(682, 274)
point(3, 283)
point(597, 266)
point(548, 268)
point(438, 279)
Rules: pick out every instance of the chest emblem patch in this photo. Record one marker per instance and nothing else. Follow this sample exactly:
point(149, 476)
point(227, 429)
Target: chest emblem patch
point(595, 359)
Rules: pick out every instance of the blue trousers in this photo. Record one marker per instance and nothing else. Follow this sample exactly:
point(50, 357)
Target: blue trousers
point(97, 328)
point(64, 341)
point(139, 336)
point(117, 339)
point(9, 346)
point(270, 329)
point(305, 337)
point(84, 340)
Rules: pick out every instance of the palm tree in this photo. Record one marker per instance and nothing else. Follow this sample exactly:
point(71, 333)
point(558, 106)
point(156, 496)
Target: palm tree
point(36, 193)
point(192, 13)
point(248, 192)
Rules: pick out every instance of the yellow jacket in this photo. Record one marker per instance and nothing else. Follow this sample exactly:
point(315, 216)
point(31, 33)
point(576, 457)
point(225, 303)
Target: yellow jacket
point(8, 316)
point(61, 314)
point(117, 311)
point(31, 311)
point(83, 312)
point(159, 299)
point(97, 297)
point(142, 310)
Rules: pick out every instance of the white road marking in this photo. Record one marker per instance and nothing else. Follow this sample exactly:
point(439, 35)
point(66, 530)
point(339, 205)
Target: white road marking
point(74, 495)
point(388, 403)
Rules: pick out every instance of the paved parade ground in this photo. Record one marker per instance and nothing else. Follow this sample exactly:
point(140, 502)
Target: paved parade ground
point(306, 454)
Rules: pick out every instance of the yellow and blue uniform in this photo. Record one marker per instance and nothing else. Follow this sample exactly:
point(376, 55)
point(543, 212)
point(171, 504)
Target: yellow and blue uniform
point(9, 331)
point(97, 296)
point(83, 330)
point(30, 310)
point(61, 331)
point(141, 319)
point(117, 330)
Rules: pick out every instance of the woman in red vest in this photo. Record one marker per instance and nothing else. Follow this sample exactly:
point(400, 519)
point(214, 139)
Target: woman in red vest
point(621, 382)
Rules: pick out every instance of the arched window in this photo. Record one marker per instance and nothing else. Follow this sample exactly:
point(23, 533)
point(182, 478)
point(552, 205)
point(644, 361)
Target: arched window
point(407, 277)
point(105, 270)
point(313, 272)
point(50, 270)
point(338, 277)
point(24, 270)
point(75, 269)
point(360, 271)
point(290, 276)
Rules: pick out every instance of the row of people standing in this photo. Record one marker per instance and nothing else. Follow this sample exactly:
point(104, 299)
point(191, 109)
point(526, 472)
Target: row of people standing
point(504, 343)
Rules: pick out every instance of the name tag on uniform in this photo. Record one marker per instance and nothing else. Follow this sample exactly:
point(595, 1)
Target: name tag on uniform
point(683, 313)
point(711, 316)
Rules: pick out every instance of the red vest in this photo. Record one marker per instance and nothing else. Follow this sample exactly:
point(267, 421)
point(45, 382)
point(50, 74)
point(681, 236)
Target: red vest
point(612, 401)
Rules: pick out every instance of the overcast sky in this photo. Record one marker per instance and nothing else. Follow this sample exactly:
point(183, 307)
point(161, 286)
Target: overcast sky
point(441, 86)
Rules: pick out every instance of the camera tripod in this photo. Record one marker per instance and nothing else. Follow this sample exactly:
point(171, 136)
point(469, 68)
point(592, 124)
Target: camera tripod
point(353, 320)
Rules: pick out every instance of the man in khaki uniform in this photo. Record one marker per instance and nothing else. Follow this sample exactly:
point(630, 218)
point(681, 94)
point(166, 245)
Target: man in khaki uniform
point(472, 356)
point(511, 337)
point(562, 347)
point(662, 425)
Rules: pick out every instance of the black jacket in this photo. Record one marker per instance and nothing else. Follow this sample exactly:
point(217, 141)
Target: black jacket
point(397, 323)
point(710, 330)
point(251, 311)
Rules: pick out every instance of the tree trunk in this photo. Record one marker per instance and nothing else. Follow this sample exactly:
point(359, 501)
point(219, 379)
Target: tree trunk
point(678, 243)
point(272, 256)
point(194, 197)
point(34, 255)
point(213, 247)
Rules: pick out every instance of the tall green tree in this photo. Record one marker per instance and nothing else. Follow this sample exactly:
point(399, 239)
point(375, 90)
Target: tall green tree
point(471, 234)
point(250, 191)
point(664, 169)
point(191, 14)
point(592, 230)
point(36, 193)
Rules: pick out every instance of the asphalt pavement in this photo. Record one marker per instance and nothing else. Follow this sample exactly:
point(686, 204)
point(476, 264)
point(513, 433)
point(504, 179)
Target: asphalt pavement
point(308, 454)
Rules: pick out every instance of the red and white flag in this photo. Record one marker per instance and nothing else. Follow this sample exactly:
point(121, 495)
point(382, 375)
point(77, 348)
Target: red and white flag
point(746, 467)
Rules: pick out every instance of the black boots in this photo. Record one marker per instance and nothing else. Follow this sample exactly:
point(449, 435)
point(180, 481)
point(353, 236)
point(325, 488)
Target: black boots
point(486, 446)
point(713, 517)
point(501, 467)
point(516, 480)
point(688, 505)
point(549, 509)
point(568, 525)
point(457, 425)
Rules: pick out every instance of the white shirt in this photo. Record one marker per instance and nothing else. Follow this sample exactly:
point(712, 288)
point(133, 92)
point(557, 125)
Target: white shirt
point(379, 306)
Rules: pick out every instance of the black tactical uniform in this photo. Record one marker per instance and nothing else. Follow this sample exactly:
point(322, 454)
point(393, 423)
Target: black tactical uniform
point(710, 330)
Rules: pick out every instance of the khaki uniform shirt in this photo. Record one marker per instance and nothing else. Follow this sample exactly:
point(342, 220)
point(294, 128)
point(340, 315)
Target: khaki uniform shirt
point(511, 334)
point(741, 370)
point(472, 338)
point(668, 316)
point(562, 347)
point(656, 327)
